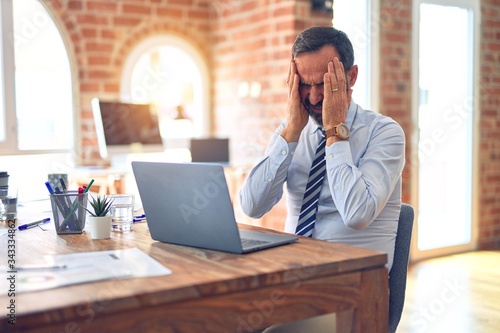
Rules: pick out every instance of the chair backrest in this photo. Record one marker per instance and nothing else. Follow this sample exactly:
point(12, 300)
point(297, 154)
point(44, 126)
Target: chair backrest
point(399, 270)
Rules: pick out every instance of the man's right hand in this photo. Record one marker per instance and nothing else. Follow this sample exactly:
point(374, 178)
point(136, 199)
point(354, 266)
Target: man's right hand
point(297, 113)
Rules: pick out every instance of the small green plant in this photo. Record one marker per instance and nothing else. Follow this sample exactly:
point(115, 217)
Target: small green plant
point(100, 205)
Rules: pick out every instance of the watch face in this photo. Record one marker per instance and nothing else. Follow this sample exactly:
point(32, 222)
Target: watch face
point(343, 131)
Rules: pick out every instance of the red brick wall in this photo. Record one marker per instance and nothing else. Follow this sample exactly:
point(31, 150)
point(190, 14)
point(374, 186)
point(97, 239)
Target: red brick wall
point(249, 41)
point(104, 32)
point(488, 188)
point(395, 97)
point(253, 40)
point(252, 44)
point(395, 73)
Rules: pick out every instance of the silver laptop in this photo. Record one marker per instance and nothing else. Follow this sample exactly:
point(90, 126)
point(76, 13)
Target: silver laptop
point(189, 204)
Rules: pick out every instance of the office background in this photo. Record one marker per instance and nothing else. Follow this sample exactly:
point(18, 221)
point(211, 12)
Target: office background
point(242, 51)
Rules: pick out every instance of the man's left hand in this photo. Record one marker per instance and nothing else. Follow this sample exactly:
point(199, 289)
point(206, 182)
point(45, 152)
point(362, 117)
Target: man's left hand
point(336, 95)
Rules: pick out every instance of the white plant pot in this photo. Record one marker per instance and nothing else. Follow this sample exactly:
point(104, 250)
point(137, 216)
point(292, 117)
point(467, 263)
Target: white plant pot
point(100, 226)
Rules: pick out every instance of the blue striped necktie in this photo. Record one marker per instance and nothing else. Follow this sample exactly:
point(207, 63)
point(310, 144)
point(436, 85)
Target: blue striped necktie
point(307, 216)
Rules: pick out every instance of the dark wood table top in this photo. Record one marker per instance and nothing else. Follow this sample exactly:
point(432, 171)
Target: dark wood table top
point(196, 273)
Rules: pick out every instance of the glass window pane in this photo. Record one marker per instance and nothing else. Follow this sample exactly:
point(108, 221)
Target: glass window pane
point(43, 80)
point(168, 78)
point(445, 127)
point(353, 18)
point(2, 110)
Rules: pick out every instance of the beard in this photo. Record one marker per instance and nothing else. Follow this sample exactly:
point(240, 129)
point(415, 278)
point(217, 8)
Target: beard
point(316, 116)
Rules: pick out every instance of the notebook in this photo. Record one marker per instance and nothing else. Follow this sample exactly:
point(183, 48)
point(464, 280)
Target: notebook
point(189, 204)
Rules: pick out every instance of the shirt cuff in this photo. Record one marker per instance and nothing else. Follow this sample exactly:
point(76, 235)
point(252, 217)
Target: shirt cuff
point(338, 153)
point(282, 151)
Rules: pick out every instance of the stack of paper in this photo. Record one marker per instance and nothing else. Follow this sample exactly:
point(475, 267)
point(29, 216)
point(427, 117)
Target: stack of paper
point(68, 269)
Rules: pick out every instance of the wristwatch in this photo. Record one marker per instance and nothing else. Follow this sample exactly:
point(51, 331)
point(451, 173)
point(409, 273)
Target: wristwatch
point(341, 131)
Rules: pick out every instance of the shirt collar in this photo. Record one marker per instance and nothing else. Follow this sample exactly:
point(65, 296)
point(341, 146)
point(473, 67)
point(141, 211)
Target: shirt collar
point(351, 113)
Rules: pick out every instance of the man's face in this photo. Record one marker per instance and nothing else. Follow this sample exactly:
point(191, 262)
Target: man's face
point(311, 68)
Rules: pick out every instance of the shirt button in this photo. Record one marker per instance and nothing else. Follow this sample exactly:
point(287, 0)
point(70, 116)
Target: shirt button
point(330, 156)
point(283, 152)
point(336, 188)
point(269, 179)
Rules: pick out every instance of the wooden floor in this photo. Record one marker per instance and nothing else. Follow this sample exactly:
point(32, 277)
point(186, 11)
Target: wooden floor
point(459, 294)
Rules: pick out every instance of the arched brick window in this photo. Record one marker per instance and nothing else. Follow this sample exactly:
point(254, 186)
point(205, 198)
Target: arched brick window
point(169, 73)
point(37, 99)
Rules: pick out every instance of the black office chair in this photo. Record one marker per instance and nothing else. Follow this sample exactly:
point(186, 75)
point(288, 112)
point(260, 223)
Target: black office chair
point(399, 269)
point(397, 284)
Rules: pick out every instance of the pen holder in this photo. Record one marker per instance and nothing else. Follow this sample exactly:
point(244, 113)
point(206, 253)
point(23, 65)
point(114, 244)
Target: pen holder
point(69, 212)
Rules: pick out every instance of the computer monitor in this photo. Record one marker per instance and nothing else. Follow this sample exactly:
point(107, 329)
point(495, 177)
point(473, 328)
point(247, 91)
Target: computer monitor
point(126, 128)
point(210, 150)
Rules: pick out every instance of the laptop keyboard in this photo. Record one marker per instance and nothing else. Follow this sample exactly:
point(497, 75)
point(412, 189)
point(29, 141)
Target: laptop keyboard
point(250, 242)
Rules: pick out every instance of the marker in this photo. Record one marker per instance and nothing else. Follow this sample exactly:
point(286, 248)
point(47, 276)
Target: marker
point(33, 224)
point(63, 185)
point(139, 218)
point(88, 186)
point(51, 190)
point(60, 205)
point(75, 206)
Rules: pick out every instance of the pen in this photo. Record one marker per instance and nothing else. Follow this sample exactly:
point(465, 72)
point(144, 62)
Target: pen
point(139, 218)
point(33, 224)
point(63, 184)
point(75, 206)
point(51, 190)
point(88, 186)
point(61, 206)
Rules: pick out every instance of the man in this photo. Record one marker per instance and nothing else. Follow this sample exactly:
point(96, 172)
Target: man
point(360, 194)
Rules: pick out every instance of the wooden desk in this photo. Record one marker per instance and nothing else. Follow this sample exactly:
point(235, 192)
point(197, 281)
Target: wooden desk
point(209, 291)
point(106, 180)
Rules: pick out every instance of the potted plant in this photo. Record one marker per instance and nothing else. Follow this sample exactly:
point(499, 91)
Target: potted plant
point(99, 219)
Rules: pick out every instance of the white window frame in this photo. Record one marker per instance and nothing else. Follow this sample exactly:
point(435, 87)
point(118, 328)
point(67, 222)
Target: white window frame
point(475, 7)
point(7, 69)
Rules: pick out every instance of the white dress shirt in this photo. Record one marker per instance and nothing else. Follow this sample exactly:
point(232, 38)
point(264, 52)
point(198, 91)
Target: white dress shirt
point(360, 198)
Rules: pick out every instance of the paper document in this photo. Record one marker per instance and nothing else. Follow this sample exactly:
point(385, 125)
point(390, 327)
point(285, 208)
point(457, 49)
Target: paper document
point(68, 269)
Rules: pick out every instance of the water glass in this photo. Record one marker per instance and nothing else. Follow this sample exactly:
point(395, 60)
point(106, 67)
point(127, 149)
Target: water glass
point(122, 212)
point(4, 179)
point(8, 203)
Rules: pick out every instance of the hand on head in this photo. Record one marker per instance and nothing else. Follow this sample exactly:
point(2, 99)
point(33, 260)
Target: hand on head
point(297, 113)
point(336, 95)
point(317, 87)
